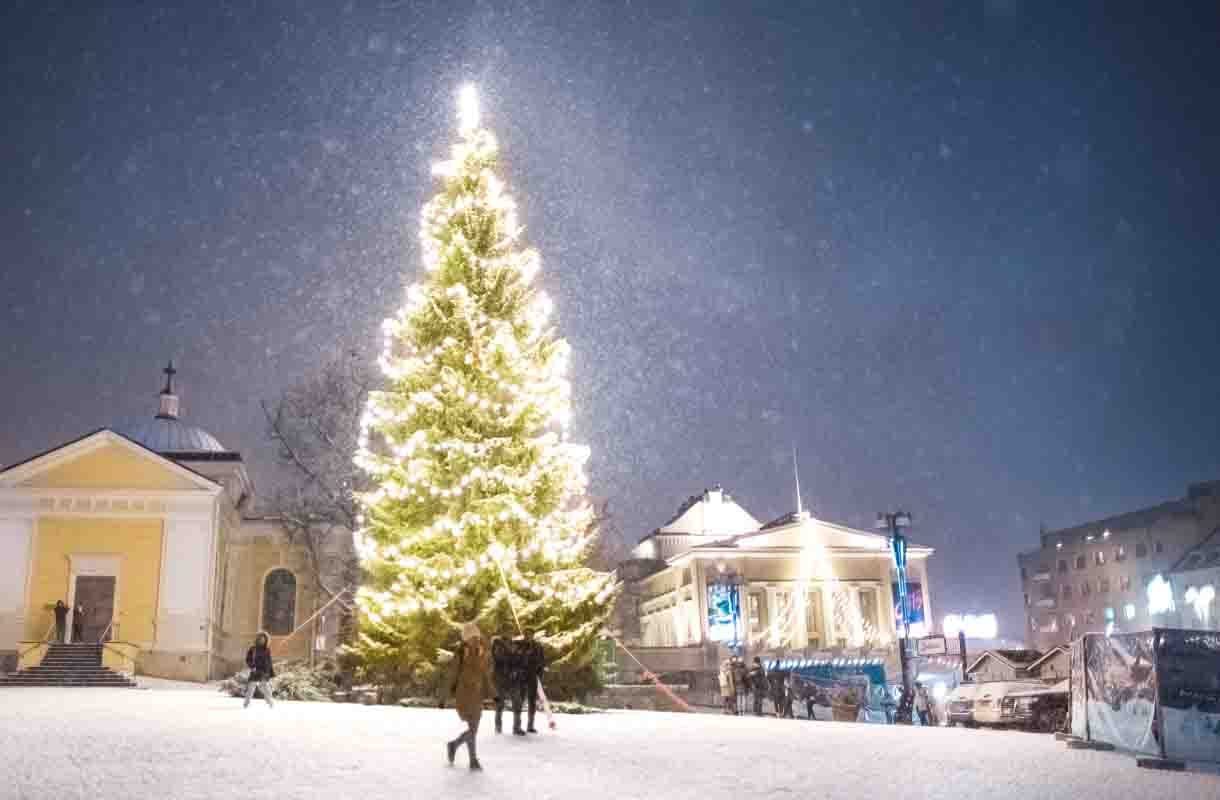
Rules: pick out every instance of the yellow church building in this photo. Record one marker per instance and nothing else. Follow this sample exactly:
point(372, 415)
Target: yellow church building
point(148, 528)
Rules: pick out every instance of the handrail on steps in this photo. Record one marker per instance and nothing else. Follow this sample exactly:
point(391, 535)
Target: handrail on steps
point(46, 639)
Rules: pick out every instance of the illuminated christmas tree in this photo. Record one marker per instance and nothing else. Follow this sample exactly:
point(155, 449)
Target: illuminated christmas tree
point(478, 511)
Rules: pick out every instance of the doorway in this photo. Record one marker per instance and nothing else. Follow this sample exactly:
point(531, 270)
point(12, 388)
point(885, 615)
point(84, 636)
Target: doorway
point(96, 594)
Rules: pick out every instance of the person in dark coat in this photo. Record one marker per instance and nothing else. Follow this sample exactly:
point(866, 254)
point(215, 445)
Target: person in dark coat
point(759, 685)
point(258, 659)
point(533, 662)
point(505, 673)
point(61, 620)
point(471, 683)
point(78, 623)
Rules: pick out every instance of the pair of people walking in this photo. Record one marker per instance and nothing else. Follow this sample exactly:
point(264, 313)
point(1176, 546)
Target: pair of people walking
point(517, 667)
point(508, 669)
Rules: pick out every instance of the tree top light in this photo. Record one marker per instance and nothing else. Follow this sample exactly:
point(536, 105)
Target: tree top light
point(468, 108)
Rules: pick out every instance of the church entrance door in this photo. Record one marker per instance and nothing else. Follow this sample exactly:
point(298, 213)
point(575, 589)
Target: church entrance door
point(96, 594)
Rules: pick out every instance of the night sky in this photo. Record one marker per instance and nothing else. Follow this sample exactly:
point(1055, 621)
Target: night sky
point(963, 257)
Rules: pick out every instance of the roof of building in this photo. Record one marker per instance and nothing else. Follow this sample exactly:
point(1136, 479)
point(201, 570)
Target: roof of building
point(1016, 659)
point(1204, 555)
point(165, 433)
point(171, 435)
point(1048, 655)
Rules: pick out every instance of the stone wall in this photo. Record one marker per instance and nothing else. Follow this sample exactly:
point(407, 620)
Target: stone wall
point(173, 666)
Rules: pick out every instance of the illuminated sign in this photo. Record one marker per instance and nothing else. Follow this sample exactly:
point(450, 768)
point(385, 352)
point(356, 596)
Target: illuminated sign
point(723, 612)
point(914, 604)
point(975, 626)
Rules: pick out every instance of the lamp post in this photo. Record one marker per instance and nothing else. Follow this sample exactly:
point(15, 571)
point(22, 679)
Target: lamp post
point(893, 523)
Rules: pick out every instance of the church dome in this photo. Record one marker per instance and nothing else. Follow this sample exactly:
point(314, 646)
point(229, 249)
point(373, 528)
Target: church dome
point(165, 433)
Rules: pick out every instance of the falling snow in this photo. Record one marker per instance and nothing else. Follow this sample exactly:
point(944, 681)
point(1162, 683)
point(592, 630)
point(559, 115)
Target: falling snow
point(960, 260)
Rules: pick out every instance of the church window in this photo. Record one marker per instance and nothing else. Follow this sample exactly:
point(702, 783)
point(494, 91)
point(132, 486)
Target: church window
point(279, 602)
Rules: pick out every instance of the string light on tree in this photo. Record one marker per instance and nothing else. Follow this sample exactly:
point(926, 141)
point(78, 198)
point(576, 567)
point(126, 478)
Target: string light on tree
point(477, 504)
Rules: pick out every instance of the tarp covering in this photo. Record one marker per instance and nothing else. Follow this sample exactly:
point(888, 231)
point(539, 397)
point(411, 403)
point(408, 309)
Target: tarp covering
point(1189, 670)
point(1154, 692)
point(1120, 680)
point(1079, 699)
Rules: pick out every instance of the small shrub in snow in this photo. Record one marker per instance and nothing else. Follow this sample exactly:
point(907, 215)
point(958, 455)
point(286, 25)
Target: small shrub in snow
point(294, 680)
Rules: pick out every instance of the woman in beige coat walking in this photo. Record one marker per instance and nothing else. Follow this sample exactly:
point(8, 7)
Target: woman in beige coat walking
point(471, 683)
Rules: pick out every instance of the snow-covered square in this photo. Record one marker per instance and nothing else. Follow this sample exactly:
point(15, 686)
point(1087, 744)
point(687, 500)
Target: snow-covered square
point(194, 743)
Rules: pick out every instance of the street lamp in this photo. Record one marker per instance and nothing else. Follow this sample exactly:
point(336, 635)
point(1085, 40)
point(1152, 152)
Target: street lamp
point(893, 523)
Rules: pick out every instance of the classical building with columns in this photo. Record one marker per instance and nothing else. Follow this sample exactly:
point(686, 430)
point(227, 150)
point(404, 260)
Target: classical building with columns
point(149, 528)
point(714, 581)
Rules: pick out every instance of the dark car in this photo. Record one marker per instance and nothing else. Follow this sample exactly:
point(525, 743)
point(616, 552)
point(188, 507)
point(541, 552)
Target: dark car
point(1042, 710)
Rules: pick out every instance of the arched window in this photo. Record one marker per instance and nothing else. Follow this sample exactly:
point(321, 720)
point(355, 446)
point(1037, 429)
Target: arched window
point(279, 602)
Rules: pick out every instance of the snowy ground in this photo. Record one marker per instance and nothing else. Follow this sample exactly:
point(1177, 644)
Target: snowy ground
point(168, 743)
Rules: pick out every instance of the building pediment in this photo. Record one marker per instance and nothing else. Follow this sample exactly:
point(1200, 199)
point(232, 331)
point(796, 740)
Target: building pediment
point(104, 461)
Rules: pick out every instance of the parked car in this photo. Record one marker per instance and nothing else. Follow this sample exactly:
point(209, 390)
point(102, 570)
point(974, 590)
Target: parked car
point(1044, 709)
point(989, 700)
point(959, 705)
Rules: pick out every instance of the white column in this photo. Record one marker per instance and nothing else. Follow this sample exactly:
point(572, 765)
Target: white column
point(16, 541)
point(185, 583)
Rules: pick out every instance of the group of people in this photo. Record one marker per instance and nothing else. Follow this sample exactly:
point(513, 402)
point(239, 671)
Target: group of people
point(784, 689)
point(509, 671)
point(61, 621)
point(737, 682)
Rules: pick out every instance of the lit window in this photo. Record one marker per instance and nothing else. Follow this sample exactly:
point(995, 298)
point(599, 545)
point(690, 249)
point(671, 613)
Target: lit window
point(1099, 557)
point(1120, 553)
point(1058, 545)
point(1129, 611)
point(1124, 583)
point(279, 602)
point(1160, 596)
point(1109, 614)
point(1070, 621)
point(1106, 535)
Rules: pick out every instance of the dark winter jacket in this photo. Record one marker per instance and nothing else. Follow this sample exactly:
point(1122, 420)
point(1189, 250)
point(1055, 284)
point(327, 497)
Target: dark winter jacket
point(507, 667)
point(61, 614)
point(258, 659)
point(533, 659)
point(759, 685)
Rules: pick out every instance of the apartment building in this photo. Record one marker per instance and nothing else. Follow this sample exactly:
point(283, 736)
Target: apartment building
point(1112, 574)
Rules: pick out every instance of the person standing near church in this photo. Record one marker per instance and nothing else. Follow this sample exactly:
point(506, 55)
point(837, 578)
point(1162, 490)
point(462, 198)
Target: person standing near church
point(78, 622)
point(533, 659)
point(61, 620)
point(258, 659)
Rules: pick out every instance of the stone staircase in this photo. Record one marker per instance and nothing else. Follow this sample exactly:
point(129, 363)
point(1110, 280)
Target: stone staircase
point(69, 665)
